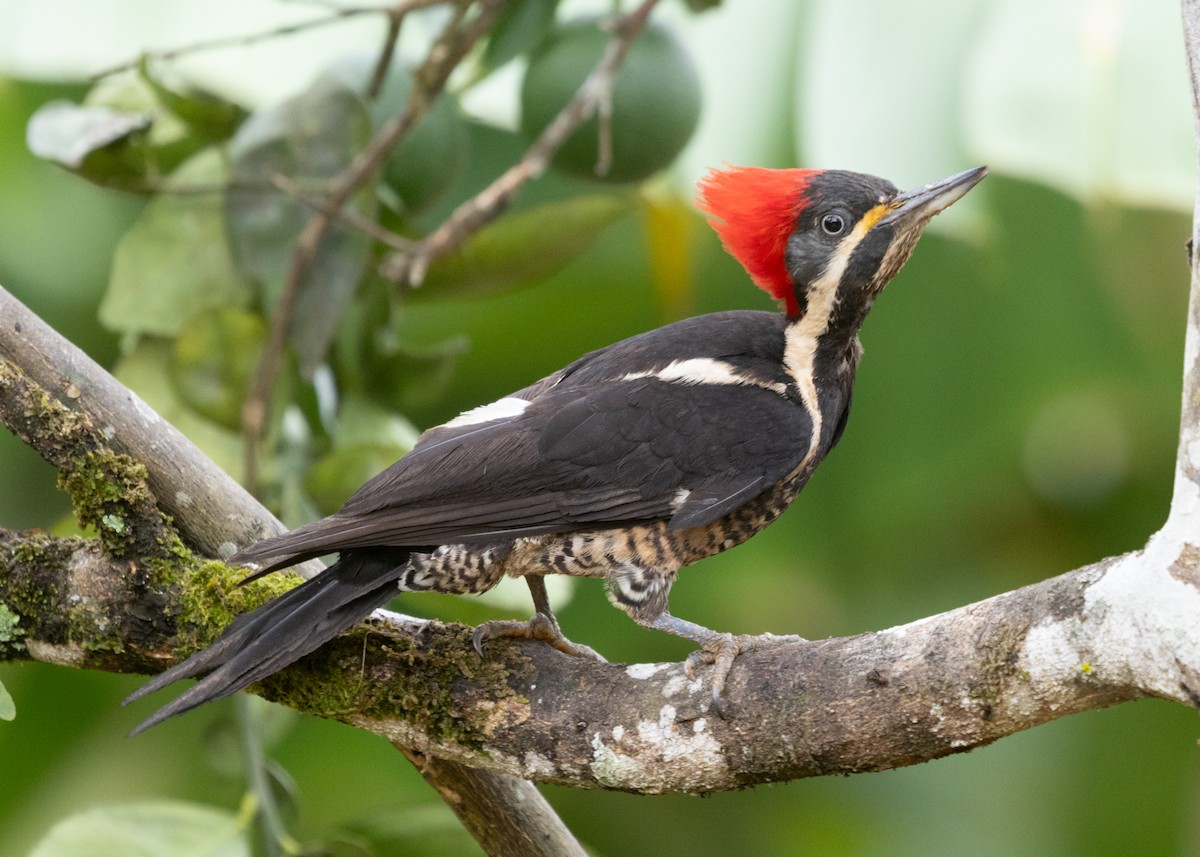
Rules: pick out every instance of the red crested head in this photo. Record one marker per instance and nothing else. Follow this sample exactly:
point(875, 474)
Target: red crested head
point(754, 210)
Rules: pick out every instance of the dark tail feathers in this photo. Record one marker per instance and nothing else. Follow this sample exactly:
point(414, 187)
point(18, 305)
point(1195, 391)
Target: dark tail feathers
point(282, 631)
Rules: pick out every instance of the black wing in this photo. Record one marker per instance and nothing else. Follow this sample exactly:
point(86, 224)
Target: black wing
point(587, 451)
point(612, 454)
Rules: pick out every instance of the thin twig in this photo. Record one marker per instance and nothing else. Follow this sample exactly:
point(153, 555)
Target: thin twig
point(320, 203)
point(336, 14)
point(456, 39)
point(477, 212)
point(379, 73)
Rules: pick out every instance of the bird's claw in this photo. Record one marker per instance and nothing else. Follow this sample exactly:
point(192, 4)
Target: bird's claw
point(539, 627)
point(721, 650)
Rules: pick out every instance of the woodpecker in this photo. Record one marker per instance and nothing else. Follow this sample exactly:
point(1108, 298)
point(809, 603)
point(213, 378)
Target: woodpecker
point(627, 465)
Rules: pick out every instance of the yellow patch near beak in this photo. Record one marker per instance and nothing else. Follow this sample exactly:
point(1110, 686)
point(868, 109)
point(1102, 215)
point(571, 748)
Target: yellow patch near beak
point(873, 216)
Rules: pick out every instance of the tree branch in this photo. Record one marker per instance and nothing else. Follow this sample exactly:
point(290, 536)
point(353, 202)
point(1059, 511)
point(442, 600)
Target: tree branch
point(212, 511)
point(1118, 630)
point(80, 607)
point(483, 802)
point(1187, 474)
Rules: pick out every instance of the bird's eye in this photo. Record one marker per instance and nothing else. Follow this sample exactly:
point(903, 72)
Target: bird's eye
point(833, 224)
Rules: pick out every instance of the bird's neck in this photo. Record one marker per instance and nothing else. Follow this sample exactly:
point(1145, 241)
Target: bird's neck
point(822, 367)
point(817, 355)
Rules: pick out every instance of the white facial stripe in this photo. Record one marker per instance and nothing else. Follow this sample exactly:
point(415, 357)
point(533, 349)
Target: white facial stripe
point(704, 370)
point(822, 296)
point(801, 345)
point(501, 409)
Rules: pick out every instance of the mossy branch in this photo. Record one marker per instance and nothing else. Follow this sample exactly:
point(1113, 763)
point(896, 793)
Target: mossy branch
point(73, 602)
point(108, 490)
point(1087, 639)
point(48, 379)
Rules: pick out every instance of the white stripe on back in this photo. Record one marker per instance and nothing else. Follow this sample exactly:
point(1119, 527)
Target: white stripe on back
point(501, 409)
point(704, 370)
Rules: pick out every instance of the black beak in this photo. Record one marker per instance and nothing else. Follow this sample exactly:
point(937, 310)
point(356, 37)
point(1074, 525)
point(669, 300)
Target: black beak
point(917, 206)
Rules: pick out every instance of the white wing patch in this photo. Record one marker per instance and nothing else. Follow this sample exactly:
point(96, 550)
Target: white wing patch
point(501, 409)
point(703, 370)
point(698, 370)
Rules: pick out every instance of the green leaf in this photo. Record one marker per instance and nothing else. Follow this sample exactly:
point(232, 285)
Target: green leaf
point(367, 439)
point(166, 143)
point(174, 262)
point(308, 139)
point(121, 136)
point(655, 104)
point(209, 115)
point(214, 360)
point(361, 422)
point(8, 708)
point(406, 375)
point(151, 829)
point(521, 27)
point(340, 472)
point(525, 248)
point(95, 142)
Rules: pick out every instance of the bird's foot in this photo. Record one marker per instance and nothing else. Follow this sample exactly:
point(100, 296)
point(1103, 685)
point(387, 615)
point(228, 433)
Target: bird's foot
point(539, 627)
point(721, 650)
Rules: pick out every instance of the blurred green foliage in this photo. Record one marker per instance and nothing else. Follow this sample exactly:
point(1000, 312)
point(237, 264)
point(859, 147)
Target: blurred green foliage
point(1015, 416)
point(655, 100)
